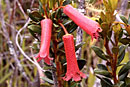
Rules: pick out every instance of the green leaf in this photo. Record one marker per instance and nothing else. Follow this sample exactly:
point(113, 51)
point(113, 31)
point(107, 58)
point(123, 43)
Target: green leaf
point(125, 41)
point(47, 80)
point(121, 53)
point(102, 67)
point(127, 80)
point(33, 34)
point(102, 72)
point(125, 68)
point(66, 2)
point(35, 15)
point(124, 19)
point(105, 82)
point(119, 84)
point(79, 45)
point(123, 76)
point(48, 74)
point(35, 28)
point(41, 8)
point(99, 52)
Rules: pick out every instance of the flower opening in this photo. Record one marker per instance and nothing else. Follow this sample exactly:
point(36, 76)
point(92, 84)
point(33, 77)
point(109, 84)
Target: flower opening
point(89, 26)
point(46, 26)
point(72, 65)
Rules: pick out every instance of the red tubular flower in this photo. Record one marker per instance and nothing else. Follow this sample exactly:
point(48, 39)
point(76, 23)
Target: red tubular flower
point(46, 26)
point(88, 25)
point(72, 66)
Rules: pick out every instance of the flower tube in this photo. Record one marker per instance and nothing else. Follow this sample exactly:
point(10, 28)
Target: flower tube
point(72, 65)
point(89, 26)
point(46, 26)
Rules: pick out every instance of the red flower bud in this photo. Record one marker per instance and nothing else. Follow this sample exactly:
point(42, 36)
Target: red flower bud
point(46, 26)
point(88, 25)
point(72, 66)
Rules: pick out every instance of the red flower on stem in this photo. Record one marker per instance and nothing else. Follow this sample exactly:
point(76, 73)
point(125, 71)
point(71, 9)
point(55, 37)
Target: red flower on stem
point(88, 25)
point(46, 26)
point(72, 65)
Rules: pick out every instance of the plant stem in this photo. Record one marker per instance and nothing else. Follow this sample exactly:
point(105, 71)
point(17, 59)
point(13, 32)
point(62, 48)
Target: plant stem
point(66, 32)
point(113, 60)
point(58, 65)
point(115, 68)
point(44, 8)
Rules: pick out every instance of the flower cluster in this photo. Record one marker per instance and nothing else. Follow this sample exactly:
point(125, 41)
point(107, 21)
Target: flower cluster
point(88, 25)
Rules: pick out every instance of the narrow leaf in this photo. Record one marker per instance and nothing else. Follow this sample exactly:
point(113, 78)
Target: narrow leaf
point(99, 52)
point(124, 19)
point(125, 68)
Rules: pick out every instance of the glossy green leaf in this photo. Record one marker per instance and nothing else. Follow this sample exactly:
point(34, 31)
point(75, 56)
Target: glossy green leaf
point(35, 28)
point(66, 2)
point(33, 34)
point(125, 41)
point(41, 8)
point(105, 82)
point(125, 68)
point(123, 76)
point(79, 45)
point(119, 84)
point(47, 80)
point(35, 15)
point(48, 74)
point(102, 67)
point(102, 72)
point(99, 52)
point(121, 53)
point(124, 19)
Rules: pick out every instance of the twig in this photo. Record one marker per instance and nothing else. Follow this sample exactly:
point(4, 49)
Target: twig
point(27, 57)
point(32, 4)
point(8, 8)
point(10, 44)
point(20, 7)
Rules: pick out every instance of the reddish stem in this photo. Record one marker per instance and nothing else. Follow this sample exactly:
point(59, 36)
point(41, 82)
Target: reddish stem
point(66, 32)
point(58, 65)
point(113, 60)
point(44, 8)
